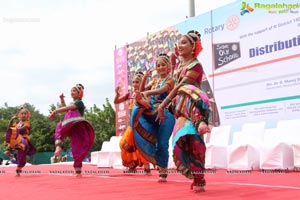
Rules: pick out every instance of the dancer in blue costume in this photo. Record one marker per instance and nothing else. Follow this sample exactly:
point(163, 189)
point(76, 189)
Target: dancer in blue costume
point(191, 110)
point(151, 136)
point(131, 157)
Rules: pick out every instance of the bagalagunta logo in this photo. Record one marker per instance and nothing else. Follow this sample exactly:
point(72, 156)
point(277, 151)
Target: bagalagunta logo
point(246, 8)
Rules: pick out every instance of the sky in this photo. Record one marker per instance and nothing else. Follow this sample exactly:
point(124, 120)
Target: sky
point(48, 46)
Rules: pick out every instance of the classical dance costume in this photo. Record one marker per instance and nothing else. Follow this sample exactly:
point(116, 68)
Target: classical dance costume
point(18, 138)
point(191, 107)
point(79, 130)
point(131, 157)
point(152, 137)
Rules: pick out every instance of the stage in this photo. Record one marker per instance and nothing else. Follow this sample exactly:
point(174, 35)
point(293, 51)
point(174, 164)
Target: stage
point(57, 181)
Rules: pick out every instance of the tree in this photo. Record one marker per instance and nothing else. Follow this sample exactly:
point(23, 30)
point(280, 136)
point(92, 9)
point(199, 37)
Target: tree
point(103, 122)
point(42, 132)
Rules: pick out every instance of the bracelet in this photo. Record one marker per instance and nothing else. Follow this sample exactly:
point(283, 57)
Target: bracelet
point(162, 105)
point(168, 98)
point(160, 108)
point(166, 101)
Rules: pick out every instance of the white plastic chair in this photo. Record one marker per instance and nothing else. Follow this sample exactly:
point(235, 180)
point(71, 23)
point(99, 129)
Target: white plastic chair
point(216, 148)
point(105, 155)
point(116, 153)
point(276, 153)
point(94, 157)
point(291, 135)
point(116, 158)
point(296, 155)
point(281, 149)
point(243, 153)
point(115, 140)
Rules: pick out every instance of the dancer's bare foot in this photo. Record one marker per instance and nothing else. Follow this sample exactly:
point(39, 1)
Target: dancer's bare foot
point(147, 169)
point(162, 174)
point(132, 170)
point(198, 189)
point(55, 159)
point(18, 173)
point(147, 172)
point(78, 172)
point(162, 179)
point(58, 150)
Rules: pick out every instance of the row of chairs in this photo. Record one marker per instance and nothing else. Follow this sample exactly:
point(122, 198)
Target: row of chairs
point(110, 155)
point(255, 146)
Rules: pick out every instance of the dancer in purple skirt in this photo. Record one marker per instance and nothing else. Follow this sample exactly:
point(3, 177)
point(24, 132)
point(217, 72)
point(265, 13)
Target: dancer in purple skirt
point(74, 126)
point(18, 138)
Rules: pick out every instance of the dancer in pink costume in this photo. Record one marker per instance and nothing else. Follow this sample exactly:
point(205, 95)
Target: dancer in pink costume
point(74, 126)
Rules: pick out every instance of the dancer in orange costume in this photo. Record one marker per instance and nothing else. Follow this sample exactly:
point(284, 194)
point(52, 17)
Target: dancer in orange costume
point(131, 157)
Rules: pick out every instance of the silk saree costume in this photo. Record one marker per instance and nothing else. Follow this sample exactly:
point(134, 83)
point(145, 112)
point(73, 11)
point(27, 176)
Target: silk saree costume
point(79, 130)
point(191, 107)
point(18, 137)
point(152, 137)
point(130, 155)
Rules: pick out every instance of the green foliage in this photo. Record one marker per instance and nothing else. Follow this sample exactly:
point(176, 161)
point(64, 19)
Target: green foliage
point(103, 122)
point(42, 132)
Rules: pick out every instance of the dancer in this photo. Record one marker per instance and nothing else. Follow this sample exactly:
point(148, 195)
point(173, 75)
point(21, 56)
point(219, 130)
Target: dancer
point(74, 126)
point(131, 157)
point(191, 109)
point(152, 137)
point(18, 138)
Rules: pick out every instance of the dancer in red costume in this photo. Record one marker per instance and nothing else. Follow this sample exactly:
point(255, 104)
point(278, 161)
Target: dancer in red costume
point(191, 109)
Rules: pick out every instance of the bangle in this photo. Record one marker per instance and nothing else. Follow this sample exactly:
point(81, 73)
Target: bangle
point(166, 101)
point(162, 105)
point(168, 98)
point(160, 108)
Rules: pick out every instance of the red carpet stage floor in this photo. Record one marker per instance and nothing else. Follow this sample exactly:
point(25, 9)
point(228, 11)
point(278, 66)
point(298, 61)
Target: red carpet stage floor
point(57, 181)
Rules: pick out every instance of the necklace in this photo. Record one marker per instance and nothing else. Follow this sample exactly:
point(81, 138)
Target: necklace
point(160, 81)
point(181, 70)
point(186, 63)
